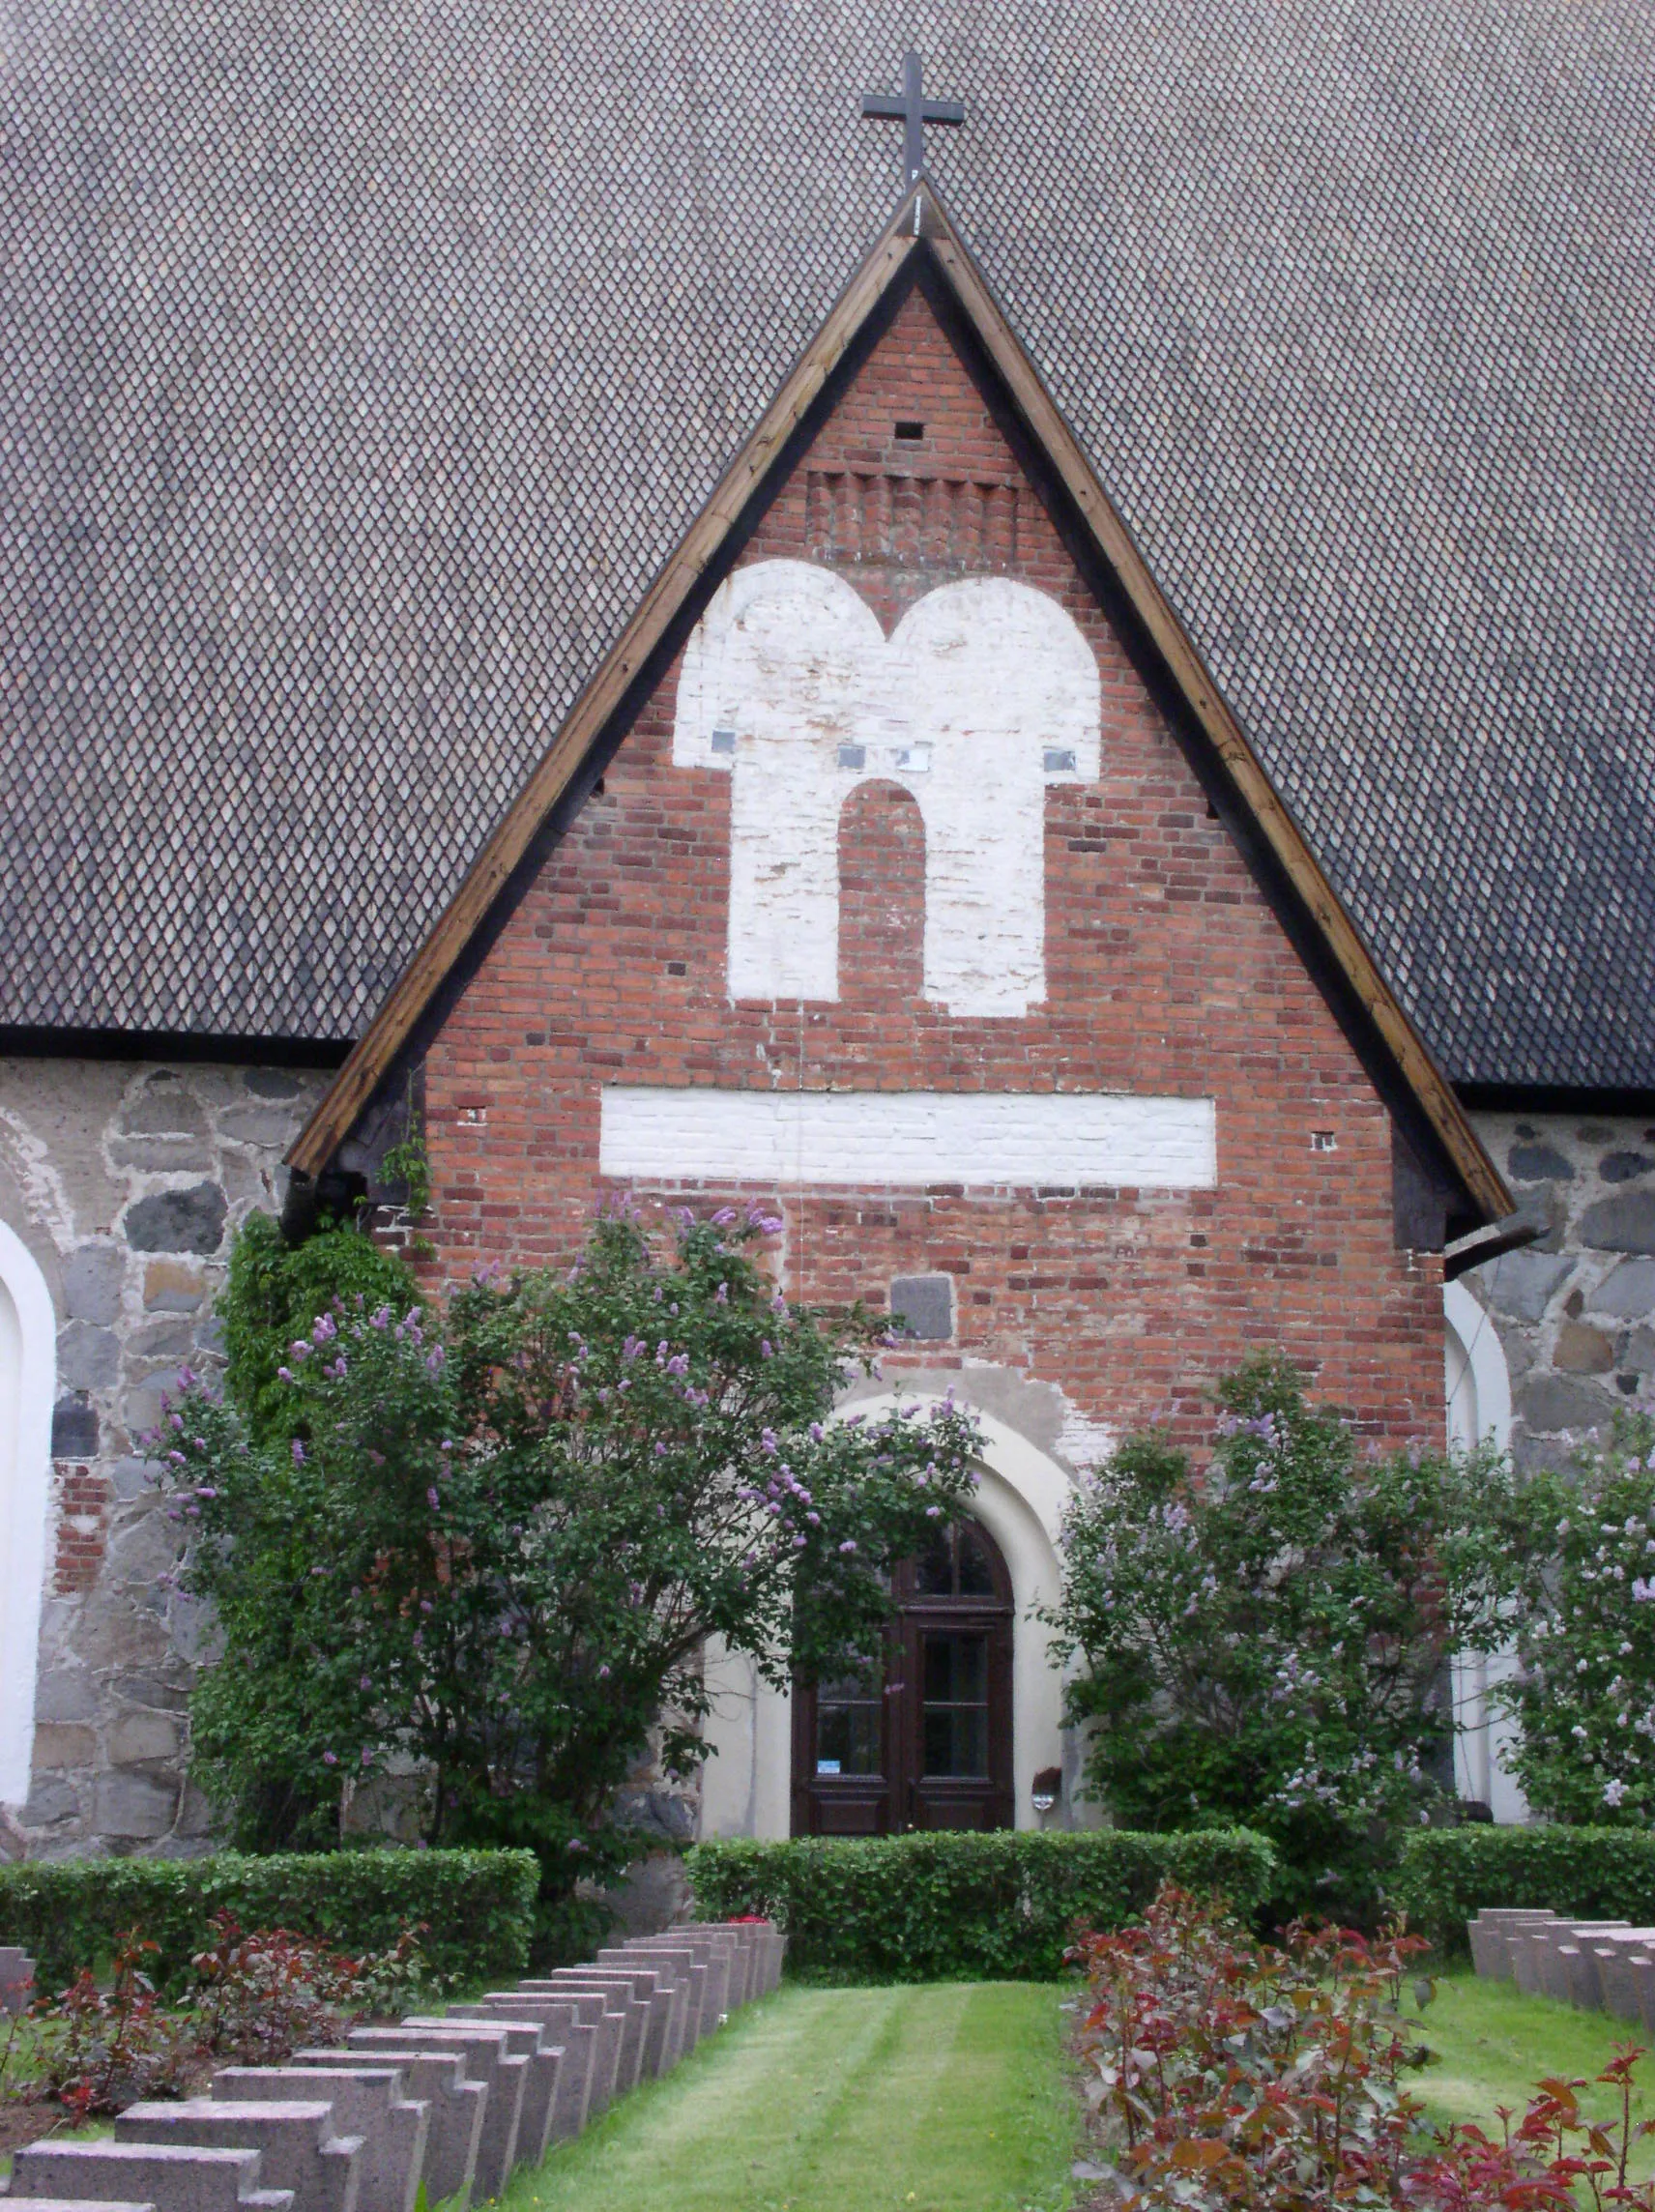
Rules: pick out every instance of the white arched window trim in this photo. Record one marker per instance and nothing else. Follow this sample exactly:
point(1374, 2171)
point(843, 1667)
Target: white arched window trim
point(28, 1386)
point(1478, 1387)
point(1477, 1357)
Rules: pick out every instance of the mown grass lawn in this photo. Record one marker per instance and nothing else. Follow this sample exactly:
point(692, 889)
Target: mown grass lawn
point(949, 2098)
point(1494, 2045)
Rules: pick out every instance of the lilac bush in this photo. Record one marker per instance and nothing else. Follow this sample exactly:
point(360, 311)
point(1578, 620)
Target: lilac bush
point(491, 1543)
point(1264, 1638)
point(1574, 1555)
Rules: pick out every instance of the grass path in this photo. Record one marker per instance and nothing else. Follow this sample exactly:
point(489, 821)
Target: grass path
point(1494, 2044)
point(951, 2097)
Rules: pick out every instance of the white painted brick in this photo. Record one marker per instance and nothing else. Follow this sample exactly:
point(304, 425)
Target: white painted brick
point(660, 1134)
point(791, 686)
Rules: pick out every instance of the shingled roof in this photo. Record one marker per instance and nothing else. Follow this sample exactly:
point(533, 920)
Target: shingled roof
point(363, 363)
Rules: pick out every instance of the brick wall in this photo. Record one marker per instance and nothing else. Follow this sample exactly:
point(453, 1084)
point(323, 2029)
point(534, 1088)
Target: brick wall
point(1166, 973)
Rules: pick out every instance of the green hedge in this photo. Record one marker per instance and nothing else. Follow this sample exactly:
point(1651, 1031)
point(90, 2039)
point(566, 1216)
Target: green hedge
point(940, 1907)
point(1446, 1876)
point(479, 1905)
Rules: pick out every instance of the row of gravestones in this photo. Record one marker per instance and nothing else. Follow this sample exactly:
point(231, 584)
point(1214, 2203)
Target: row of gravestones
point(453, 2102)
point(1600, 1965)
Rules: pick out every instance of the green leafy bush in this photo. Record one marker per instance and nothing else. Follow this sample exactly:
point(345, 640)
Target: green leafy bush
point(479, 1907)
point(1446, 1876)
point(1571, 1570)
point(1264, 1637)
point(488, 1544)
point(275, 1291)
point(946, 1907)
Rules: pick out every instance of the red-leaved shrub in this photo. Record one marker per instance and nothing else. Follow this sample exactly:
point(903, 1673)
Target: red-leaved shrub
point(101, 2050)
point(1224, 2073)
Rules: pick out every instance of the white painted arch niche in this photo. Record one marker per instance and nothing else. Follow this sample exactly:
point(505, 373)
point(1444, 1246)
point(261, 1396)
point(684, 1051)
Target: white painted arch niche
point(1477, 1390)
point(28, 1379)
point(746, 1785)
point(986, 693)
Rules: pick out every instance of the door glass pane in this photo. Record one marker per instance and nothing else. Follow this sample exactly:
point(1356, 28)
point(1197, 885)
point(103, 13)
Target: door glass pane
point(847, 1716)
point(934, 1571)
point(956, 1670)
point(954, 1721)
point(956, 1743)
point(976, 1578)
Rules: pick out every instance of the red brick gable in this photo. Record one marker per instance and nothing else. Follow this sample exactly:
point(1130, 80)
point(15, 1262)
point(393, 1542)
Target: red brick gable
point(1167, 974)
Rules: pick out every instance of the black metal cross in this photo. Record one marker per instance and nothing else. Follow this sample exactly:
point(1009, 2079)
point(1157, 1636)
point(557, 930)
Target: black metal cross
point(914, 111)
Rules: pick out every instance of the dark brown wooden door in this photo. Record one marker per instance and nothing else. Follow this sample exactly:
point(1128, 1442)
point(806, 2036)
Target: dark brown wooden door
point(925, 1740)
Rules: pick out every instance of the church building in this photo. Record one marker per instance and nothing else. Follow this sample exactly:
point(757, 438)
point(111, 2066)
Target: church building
point(1032, 708)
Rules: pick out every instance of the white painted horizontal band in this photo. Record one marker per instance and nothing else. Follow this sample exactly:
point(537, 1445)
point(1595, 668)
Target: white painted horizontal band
point(1100, 1141)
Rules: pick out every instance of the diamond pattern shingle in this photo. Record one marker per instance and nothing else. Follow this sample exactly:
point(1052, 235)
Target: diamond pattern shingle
point(362, 361)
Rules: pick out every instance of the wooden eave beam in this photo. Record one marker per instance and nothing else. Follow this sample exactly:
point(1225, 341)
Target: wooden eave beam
point(1419, 1071)
point(376, 1049)
point(920, 213)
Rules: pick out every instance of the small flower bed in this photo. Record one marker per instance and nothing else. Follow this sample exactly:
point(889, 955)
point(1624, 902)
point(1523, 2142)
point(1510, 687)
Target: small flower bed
point(1224, 2073)
point(255, 1999)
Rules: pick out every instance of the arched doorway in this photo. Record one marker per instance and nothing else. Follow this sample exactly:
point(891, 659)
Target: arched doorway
point(926, 1742)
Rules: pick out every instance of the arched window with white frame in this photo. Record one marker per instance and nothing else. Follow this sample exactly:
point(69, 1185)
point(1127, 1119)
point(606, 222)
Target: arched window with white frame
point(1477, 1386)
point(28, 1376)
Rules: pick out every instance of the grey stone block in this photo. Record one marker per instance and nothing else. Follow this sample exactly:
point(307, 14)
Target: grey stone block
point(367, 2103)
point(127, 1803)
point(772, 1947)
point(48, 1802)
point(190, 1220)
point(272, 1082)
point(1627, 1291)
point(1522, 1284)
point(572, 2019)
point(170, 1337)
point(649, 2023)
point(175, 1155)
point(752, 1977)
point(684, 1976)
point(164, 1107)
point(1549, 1403)
point(489, 2063)
point(1580, 1977)
point(178, 2178)
point(455, 2106)
point(922, 1306)
point(562, 2033)
point(142, 1735)
point(688, 1978)
point(297, 2145)
point(1616, 1980)
point(66, 1694)
point(88, 1357)
point(84, 2204)
point(717, 1956)
point(270, 1126)
point(1490, 1933)
point(525, 2039)
point(1623, 1223)
point(1539, 1163)
point(1624, 1167)
point(60, 1744)
point(618, 1995)
point(133, 1478)
point(93, 1275)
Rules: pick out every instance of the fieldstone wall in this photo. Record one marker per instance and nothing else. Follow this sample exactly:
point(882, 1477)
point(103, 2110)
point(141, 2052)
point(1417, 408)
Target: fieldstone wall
point(1576, 1310)
point(125, 1183)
